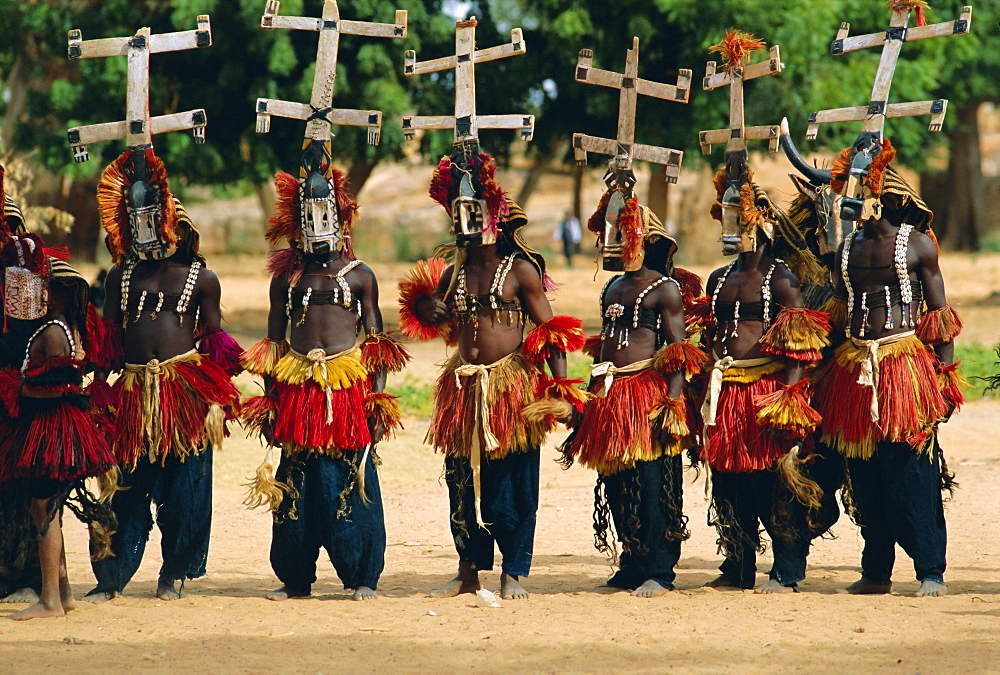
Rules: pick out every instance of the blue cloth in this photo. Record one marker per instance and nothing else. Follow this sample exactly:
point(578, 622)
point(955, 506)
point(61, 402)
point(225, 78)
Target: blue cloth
point(741, 501)
point(353, 533)
point(182, 492)
point(639, 493)
point(509, 507)
point(898, 498)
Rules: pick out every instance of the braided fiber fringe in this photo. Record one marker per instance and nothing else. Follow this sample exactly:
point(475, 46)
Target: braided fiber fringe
point(788, 409)
point(938, 326)
point(682, 356)
point(382, 350)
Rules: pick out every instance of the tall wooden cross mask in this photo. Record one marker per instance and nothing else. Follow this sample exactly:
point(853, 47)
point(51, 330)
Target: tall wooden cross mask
point(737, 135)
point(466, 123)
point(319, 114)
point(138, 127)
point(623, 148)
point(891, 40)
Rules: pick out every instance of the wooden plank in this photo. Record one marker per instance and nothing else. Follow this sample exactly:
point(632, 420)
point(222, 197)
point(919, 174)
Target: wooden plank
point(290, 109)
point(895, 110)
point(412, 67)
point(582, 144)
point(516, 46)
point(602, 78)
point(669, 92)
point(526, 123)
point(712, 137)
point(137, 95)
point(292, 22)
point(429, 122)
point(714, 80)
point(657, 155)
point(383, 30)
point(98, 49)
point(853, 44)
point(355, 118)
point(772, 66)
point(465, 79)
point(770, 133)
point(181, 121)
point(173, 42)
point(98, 133)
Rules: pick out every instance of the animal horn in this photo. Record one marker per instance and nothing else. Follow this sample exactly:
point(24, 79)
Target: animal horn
point(814, 175)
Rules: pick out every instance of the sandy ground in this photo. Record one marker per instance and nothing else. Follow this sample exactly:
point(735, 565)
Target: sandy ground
point(224, 623)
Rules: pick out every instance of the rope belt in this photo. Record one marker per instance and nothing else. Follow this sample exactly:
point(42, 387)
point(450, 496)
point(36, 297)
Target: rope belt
point(869, 367)
point(484, 429)
point(709, 408)
point(318, 358)
point(608, 371)
point(151, 415)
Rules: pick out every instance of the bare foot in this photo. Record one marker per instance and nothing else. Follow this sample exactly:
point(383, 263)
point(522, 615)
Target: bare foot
point(22, 595)
point(165, 590)
point(511, 589)
point(650, 589)
point(364, 593)
point(39, 610)
point(66, 595)
point(774, 586)
point(864, 586)
point(932, 589)
point(722, 581)
point(456, 586)
point(98, 595)
point(285, 593)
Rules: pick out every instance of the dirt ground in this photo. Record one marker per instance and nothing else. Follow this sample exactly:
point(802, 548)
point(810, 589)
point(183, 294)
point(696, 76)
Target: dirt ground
point(225, 624)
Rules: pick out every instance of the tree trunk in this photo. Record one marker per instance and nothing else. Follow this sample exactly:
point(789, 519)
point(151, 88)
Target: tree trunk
point(658, 192)
point(87, 236)
point(964, 217)
point(265, 198)
point(531, 182)
point(359, 174)
point(18, 92)
point(578, 172)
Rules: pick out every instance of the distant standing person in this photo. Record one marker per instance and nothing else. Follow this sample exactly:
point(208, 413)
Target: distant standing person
point(570, 235)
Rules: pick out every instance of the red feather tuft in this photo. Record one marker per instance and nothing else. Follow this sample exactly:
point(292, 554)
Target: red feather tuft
point(420, 282)
point(736, 49)
point(682, 356)
point(690, 284)
point(220, 346)
point(633, 232)
point(287, 263)
point(382, 350)
point(560, 333)
point(592, 346)
point(596, 221)
point(111, 356)
point(441, 184)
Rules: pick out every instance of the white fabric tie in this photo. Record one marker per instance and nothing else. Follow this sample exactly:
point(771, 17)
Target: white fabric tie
point(608, 371)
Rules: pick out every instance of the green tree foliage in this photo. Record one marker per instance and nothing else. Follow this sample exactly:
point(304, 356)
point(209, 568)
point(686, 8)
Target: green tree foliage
point(243, 63)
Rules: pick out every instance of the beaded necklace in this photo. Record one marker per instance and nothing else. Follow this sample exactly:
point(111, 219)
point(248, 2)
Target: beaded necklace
point(616, 310)
point(341, 295)
point(182, 303)
point(765, 293)
point(468, 306)
point(54, 322)
point(907, 314)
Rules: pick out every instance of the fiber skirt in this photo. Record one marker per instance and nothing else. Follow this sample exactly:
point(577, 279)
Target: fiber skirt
point(172, 408)
point(909, 398)
point(616, 430)
point(737, 442)
point(458, 408)
point(54, 438)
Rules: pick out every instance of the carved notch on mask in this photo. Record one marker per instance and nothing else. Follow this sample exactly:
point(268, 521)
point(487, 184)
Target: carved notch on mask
point(144, 206)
